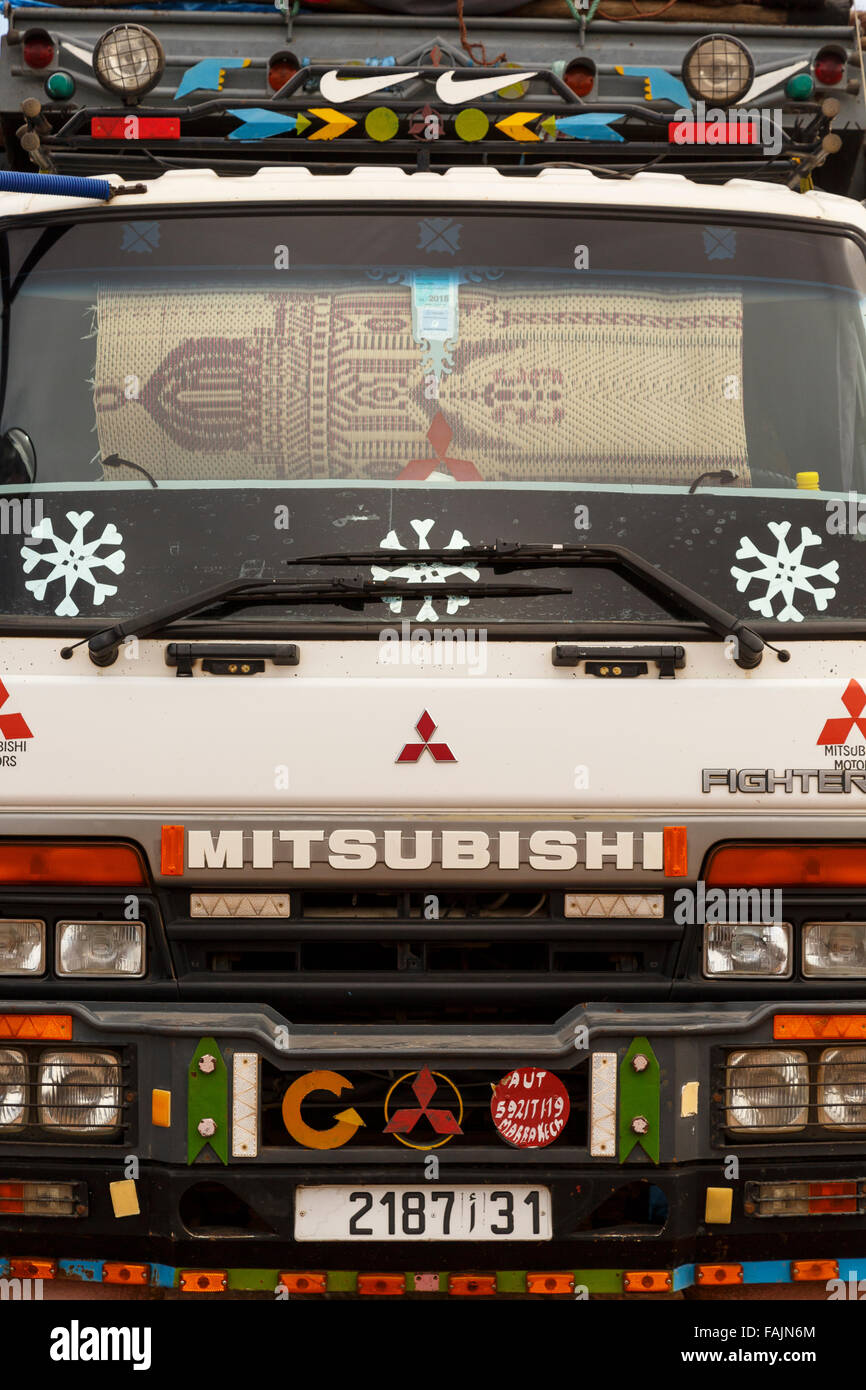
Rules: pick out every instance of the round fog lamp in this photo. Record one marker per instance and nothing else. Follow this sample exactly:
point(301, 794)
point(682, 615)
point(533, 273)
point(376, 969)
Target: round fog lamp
point(718, 69)
point(128, 60)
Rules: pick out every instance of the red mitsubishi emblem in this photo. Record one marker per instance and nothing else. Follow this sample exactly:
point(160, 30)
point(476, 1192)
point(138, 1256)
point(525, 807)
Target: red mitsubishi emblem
point(12, 725)
point(839, 730)
point(439, 752)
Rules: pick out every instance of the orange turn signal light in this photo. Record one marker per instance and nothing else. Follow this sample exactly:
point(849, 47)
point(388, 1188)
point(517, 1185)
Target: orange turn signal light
point(719, 1274)
point(676, 850)
point(819, 1026)
point(381, 1283)
point(36, 1026)
point(11, 1198)
point(171, 849)
point(832, 1197)
point(467, 1284)
point(33, 1269)
point(304, 1283)
point(786, 865)
point(94, 864)
point(804, 1271)
point(203, 1281)
point(116, 1272)
point(550, 1283)
point(647, 1281)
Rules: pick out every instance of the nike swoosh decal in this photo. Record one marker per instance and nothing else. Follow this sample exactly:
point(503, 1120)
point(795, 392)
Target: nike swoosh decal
point(455, 93)
point(339, 89)
point(768, 80)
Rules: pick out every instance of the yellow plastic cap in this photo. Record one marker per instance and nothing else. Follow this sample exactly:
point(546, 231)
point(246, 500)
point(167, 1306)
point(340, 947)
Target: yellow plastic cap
point(719, 1204)
point(808, 482)
point(124, 1198)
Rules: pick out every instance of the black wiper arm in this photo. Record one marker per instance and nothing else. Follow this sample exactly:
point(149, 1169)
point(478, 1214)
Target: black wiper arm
point(105, 644)
point(510, 555)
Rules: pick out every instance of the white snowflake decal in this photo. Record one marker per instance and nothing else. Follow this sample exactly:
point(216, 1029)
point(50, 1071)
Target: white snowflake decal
point(416, 572)
point(785, 574)
point(73, 561)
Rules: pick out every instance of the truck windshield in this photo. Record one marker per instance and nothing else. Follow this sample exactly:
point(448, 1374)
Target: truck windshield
point(617, 359)
point(320, 348)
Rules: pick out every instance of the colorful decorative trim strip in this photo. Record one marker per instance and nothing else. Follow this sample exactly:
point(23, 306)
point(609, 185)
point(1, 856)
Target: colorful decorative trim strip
point(595, 1281)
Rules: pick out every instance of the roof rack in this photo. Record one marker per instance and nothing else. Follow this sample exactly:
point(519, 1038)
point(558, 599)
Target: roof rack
point(519, 135)
point(429, 108)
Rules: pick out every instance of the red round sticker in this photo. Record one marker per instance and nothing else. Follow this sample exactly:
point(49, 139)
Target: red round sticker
point(530, 1108)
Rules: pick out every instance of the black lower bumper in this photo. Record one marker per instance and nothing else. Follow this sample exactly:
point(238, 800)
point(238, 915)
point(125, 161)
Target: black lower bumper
point(639, 1217)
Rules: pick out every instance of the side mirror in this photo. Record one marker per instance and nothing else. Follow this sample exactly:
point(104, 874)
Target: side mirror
point(17, 457)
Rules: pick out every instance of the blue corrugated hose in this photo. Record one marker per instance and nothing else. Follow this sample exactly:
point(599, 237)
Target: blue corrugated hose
point(65, 185)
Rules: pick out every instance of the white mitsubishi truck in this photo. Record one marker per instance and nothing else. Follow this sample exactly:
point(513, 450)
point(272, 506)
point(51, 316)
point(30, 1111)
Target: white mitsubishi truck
point(413, 945)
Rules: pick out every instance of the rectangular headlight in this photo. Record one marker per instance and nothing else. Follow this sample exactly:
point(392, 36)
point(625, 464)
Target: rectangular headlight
point(747, 949)
point(13, 1088)
point(22, 947)
point(768, 1090)
point(834, 948)
point(79, 1091)
point(842, 1088)
point(100, 948)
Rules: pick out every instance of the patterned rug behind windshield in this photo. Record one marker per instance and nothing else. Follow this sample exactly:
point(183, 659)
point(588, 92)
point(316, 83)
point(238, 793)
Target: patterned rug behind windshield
point(319, 383)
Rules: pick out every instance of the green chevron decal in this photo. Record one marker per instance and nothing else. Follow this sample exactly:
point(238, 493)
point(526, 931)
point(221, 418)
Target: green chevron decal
point(639, 1104)
point(208, 1102)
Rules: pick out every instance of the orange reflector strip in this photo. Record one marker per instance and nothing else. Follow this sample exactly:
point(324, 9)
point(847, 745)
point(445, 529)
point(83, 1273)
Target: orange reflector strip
point(647, 1280)
point(36, 1026)
point(160, 1109)
point(550, 1283)
point(803, 1271)
point(304, 1283)
point(32, 1269)
point(115, 1272)
point(832, 1196)
point(783, 865)
point(719, 1274)
point(381, 1283)
point(171, 855)
point(98, 865)
point(466, 1284)
point(819, 1026)
point(203, 1280)
point(676, 851)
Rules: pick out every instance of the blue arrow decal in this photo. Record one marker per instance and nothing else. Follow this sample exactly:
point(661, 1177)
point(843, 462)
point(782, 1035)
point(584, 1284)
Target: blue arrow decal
point(660, 85)
point(259, 123)
point(208, 75)
point(592, 126)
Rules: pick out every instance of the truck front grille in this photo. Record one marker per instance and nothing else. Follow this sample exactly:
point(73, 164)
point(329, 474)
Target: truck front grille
point(410, 956)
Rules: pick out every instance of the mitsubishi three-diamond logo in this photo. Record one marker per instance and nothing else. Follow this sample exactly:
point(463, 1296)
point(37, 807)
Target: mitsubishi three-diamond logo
point(439, 752)
point(837, 731)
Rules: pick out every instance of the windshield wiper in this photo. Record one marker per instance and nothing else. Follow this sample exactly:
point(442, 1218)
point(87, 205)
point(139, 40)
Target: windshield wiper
point(642, 574)
point(105, 644)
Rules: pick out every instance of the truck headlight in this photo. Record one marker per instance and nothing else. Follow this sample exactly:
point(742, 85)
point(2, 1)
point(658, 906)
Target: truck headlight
point(22, 947)
point(79, 1091)
point(718, 69)
point(128, 60)
point(842, 1088)
point(768, 1090)
point(834, 948)
point(100, 948)
point(13, 1088)
point(754, 948)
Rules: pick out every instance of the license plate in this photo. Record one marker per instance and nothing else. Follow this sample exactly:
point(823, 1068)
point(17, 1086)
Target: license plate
point(419, 1213)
